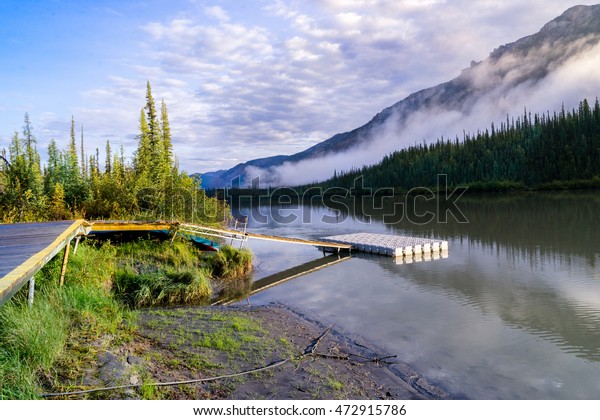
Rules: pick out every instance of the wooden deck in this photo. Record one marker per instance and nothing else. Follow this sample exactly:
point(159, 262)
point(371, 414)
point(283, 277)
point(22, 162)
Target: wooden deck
point(26, 247)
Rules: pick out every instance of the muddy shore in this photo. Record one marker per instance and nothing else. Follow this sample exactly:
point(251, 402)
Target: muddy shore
point(193, 345)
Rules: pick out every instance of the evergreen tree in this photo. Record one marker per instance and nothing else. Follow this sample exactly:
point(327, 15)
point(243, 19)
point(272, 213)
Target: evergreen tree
point(533, 150)
point(72, 156)
point(152, 118)
point(33, 178)
point(24, 198)
point(155, 140)
point(84, 172)
point(58, 209)
point(71, 187)
point(107, 162)
point(30, 141)
point(167, 161)
point(52, 175)
point(142, 158)
point(76, 191)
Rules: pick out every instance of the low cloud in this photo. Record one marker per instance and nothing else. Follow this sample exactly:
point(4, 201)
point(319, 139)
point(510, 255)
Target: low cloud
point(504, 90)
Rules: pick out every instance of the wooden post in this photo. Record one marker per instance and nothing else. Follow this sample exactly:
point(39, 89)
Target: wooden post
point(64, 264)
point(31, 291)
point(76, 244)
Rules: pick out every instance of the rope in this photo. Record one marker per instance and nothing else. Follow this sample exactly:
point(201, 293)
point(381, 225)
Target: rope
point(310, 350)
point(190, 381)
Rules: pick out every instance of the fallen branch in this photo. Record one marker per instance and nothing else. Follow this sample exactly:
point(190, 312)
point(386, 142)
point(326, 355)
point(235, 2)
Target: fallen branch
point(333, 356)
point(376, 359)
point(312, 347)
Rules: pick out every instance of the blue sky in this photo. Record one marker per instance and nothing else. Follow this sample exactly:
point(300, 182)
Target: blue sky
point(241, 79)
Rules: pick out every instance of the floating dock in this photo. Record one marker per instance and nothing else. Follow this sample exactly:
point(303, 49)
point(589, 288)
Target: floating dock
point(26, 247)
point(391, 245)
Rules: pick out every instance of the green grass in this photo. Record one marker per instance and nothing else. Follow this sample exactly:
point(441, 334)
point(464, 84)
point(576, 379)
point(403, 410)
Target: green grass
point(150, 273)
point(229, 333)
point(334, 384)
point(140, 288)
point(166, 274)
point(33, 340)
point(102, 283)
point(230, 263)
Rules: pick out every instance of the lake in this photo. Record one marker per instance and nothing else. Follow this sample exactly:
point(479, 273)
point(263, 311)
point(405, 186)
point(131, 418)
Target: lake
point(513, 312)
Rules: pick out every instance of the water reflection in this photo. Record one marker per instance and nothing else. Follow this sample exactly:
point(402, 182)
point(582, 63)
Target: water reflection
point(567, 314)
point(514, 312)
point(535, 225)
point(229, 295)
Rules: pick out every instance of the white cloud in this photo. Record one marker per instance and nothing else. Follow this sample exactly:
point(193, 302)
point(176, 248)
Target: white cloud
point(569, 81)
point(279, 79)
point(218, 13)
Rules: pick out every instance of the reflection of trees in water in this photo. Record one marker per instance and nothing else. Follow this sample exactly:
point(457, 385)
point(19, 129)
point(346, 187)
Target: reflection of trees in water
point(536, 225)
point(537, 229)
point(528, 304)
point(526, 229)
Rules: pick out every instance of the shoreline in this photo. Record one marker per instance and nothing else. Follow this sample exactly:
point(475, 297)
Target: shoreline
point(402, 374)
point(188, 344)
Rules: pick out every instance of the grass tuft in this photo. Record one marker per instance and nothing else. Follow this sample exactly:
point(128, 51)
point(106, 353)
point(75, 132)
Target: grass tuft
point(230, 263)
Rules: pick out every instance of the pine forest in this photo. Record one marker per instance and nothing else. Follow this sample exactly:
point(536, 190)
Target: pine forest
point(75, 185)
point(556, 151)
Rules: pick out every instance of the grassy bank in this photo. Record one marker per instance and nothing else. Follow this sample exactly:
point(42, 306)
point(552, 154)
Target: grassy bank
point(104, 283)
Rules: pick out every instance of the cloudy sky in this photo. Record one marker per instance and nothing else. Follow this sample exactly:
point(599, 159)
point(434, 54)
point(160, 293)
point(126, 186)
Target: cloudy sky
point(242, 78)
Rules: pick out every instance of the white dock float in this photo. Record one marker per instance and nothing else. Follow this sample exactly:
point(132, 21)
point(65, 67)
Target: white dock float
point(394, 246)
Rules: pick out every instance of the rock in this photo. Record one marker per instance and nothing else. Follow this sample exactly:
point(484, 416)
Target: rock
point(111, 369)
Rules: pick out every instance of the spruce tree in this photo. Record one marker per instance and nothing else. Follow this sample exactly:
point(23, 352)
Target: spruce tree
point(29, 138)
point(52, 176)
point(76, 191)
point(84, 172)
point(142, 158)
point(73, 160)
point(155, 140)
point(34, 182)
point(167, 160)
point(107, 162)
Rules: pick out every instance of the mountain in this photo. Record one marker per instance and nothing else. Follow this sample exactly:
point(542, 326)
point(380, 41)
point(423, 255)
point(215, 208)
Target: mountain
point(512, 74)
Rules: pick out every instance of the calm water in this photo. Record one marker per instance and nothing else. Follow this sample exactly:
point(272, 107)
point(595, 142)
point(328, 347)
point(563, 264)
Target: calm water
point(512, 313)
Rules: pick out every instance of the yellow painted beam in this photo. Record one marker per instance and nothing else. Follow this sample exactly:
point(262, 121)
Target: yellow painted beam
point(108, 226)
